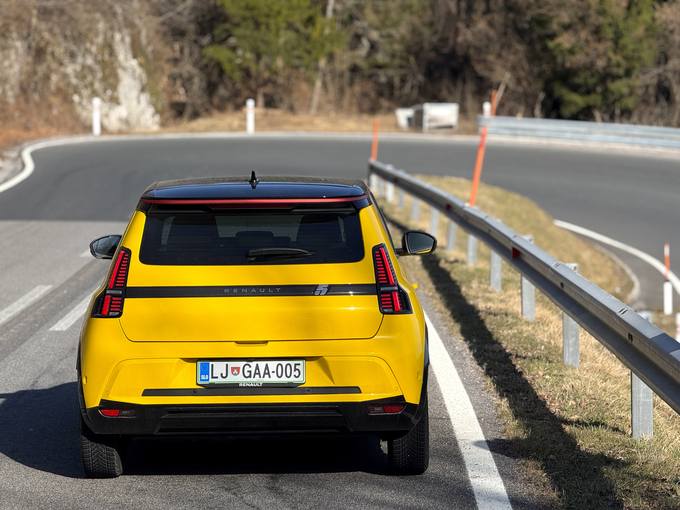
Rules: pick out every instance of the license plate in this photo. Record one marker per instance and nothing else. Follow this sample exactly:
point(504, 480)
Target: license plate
point(251, 373)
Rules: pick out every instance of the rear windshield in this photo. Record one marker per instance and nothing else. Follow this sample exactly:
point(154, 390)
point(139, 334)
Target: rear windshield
point(246, 237)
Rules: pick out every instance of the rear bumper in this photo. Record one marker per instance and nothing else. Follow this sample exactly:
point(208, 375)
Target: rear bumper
point(255, 419)
point(252, 419)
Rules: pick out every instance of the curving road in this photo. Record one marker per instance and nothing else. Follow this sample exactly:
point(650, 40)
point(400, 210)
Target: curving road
point(79, 192)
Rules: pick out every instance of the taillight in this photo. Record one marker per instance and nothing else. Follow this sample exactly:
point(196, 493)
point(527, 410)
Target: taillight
point(391, 298)
point(384, 408)
point(118, 413)
point(110, 302)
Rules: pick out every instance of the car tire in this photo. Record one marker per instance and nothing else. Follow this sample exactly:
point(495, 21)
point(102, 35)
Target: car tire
point(410, 454)
point(100, 455)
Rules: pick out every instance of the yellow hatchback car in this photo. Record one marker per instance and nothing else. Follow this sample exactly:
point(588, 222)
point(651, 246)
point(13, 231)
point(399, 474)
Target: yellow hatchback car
point(240, 307)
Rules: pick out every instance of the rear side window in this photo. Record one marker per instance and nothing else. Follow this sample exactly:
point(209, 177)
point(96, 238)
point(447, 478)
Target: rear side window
point(245, 237)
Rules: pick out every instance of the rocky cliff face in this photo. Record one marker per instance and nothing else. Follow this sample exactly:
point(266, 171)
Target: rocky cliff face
point(73, 51)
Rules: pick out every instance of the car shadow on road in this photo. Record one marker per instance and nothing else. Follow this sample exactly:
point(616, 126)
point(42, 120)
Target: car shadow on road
point(39, 429)
point(256, 455)
point(577, 476)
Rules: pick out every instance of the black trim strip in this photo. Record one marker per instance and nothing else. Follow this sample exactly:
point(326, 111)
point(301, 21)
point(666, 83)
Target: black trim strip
point(360, 289)
point(249, 391)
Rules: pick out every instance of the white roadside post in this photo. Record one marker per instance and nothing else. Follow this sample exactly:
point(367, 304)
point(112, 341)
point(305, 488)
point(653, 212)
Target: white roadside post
point(250, 116)
point(96, 116)
point(677, 327)
point(667, 285)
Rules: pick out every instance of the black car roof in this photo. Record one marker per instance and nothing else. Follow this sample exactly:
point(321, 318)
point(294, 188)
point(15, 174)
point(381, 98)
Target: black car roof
point(268, 187)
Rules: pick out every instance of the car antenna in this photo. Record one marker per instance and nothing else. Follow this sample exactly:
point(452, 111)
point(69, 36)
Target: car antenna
point(253, 180)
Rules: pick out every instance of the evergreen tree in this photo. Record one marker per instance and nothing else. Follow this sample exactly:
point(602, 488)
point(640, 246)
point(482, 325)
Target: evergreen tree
point(598, 50)
point(261, 38)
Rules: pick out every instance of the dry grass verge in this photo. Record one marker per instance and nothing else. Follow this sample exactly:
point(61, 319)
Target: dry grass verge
point(281, 120)
point(570, 427)
point(13, 133)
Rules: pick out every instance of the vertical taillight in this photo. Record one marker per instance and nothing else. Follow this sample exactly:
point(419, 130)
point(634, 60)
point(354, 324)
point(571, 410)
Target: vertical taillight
point(110, 302)
point(391, 298)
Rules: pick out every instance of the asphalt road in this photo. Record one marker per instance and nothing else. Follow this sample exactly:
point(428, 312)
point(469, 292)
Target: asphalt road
point(83, 191)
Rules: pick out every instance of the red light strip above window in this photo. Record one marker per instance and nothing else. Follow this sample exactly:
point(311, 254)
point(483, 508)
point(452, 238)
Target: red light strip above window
point(248, 201)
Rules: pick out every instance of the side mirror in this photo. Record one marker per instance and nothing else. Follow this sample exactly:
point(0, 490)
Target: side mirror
point(104, 247)
point(415, 242)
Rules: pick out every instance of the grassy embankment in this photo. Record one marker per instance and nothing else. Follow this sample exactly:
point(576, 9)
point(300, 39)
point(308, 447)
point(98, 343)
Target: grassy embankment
point(569, 426)
point(280, 120)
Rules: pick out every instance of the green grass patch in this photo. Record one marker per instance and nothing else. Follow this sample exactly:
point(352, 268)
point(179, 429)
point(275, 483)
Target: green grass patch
point(570, 427)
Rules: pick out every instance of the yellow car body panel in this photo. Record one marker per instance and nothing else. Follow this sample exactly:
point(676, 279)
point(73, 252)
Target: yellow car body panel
point(375, 365)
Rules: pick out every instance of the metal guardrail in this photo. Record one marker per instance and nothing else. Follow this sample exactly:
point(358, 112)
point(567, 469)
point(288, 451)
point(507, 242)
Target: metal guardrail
point(603, 132)
point(647, 351)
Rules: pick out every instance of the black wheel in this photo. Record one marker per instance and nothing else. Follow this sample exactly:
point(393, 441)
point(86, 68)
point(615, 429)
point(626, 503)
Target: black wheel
point(101, 455)
point(410, 453)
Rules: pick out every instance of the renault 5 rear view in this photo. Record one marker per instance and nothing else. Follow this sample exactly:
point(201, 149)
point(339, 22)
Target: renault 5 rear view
point(247, 307)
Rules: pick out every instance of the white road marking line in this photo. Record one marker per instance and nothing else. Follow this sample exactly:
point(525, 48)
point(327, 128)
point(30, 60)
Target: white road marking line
point(23, 302)
point(76, 313)
point(656, 264)
point(483, 474)
point(85, 254)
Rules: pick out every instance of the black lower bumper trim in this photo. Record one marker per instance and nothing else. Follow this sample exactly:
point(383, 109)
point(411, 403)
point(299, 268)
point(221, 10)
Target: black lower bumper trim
point(251, 391)
point(252, 419)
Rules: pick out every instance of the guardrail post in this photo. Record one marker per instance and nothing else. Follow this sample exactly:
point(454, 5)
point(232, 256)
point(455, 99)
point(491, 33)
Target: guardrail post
point(373, 183)
point(434, 221)
point(400, 198)
point(570, 336)
point(381, 187)
point(389, 191)
point(472, 250)
point(452, 234)
point(495, 268)
point(388, 187)
point(528, 294)
point(642, 408)
point(415, 209)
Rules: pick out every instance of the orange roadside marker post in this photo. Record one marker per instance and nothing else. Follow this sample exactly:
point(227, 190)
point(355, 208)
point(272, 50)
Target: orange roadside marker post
point(376, 130)
point(489, 111)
